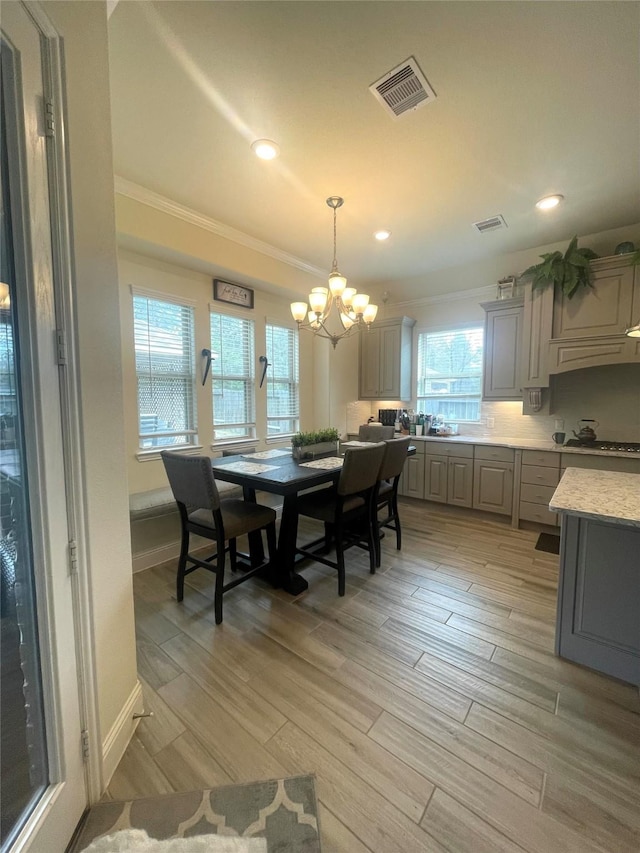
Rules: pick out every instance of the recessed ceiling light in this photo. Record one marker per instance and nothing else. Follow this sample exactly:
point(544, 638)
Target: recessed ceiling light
point(265, 149)
point(383, 234)
point(549, 202)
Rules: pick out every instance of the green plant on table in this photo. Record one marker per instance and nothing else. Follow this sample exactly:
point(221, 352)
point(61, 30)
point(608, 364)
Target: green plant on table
point(569, 271)
point(303, 439)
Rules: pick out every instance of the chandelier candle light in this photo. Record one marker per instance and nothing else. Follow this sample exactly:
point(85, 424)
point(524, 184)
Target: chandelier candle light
point(353, 308)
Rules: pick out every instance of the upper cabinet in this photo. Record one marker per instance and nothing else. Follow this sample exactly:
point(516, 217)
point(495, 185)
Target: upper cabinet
point(561, 334)
point(501, 379)
point(385, 360)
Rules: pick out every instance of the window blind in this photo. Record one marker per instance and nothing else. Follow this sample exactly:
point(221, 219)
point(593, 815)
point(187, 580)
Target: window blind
point(449, 374)
point(283, 405)
point(165, 371)
point(232, 348)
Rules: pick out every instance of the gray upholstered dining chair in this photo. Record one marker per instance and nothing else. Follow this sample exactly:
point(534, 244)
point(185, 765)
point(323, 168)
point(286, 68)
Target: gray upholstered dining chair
point(347, 510)
point(203, 513)
point(386, 497)
point(375, 432)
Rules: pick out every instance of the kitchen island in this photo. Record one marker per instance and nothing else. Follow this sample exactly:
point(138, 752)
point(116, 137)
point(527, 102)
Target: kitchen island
point(598, 621)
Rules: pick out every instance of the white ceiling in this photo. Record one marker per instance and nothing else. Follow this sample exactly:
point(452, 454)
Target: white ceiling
point(532, 98)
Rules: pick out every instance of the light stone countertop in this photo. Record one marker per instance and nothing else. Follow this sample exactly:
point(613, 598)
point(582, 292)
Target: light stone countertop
point(601, 495)
point(522, 444)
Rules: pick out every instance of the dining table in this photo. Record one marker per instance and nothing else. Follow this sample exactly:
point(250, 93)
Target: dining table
point(279, 473)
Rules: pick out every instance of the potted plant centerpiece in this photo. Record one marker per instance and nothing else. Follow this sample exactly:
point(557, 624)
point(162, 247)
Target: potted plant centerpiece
point(313, 445)
point(569, 271)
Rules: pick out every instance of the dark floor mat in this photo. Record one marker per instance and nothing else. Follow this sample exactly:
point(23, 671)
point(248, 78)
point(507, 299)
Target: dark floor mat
point(548, 542)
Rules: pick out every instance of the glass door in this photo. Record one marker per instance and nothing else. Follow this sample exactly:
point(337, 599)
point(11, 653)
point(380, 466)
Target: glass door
point(43, 787)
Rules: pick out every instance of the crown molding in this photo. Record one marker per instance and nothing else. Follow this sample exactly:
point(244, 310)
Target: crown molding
point(457, 296)
point(139, 193)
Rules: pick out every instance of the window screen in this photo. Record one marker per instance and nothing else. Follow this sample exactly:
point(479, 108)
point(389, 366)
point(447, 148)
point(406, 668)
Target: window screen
point(232, 348)
point(283, 406)
point(450, 374)
point(164, 350)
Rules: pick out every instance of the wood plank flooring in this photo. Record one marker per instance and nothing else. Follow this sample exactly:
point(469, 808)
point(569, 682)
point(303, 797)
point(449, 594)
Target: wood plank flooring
point(428, 701)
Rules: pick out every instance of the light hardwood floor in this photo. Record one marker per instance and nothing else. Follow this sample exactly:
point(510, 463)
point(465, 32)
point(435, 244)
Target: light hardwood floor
point(427, 701)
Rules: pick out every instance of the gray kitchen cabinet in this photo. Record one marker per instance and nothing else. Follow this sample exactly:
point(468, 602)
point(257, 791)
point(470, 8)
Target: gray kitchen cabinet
point(539, 476)
point(449, 474)
point(601, 310)
point(435, 479)
point(598, 595)
point(493, 486)
point(501, 377)
point(413, 477)
point(493, 479)
point(385, 360)
point(460, 481)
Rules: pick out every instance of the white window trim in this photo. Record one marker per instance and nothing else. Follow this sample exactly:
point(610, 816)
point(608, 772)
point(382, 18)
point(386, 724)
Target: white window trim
point(161, 296)
point(445, 327)
point(283, 437)
point(248, 440)
point(148, 293)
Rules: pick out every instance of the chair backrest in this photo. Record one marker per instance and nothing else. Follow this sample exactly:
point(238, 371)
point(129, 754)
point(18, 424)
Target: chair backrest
point(394, 458)
point(360, 469)
point(191, 480)
point(375, 432)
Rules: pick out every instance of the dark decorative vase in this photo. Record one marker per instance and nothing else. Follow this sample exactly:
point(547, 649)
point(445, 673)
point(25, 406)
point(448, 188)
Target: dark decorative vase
point(624, 248)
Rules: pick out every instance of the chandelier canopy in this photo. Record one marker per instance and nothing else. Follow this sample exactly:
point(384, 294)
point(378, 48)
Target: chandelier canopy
point(353, 308)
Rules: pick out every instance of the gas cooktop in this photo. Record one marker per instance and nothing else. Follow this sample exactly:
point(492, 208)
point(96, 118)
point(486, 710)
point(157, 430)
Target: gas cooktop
point(617, 446)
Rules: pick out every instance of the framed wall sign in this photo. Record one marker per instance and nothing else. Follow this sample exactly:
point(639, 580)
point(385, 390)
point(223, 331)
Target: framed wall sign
point(236, 294)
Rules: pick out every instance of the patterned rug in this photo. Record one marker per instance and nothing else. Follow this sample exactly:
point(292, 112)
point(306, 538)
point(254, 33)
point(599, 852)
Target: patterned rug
point(283, 811)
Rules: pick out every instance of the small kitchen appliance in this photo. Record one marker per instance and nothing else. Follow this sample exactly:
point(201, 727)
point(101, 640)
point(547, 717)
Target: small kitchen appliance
point(387, 417)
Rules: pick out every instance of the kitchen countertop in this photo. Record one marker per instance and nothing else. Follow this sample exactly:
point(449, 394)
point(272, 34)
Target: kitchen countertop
point(523, 444)
point(601, 495)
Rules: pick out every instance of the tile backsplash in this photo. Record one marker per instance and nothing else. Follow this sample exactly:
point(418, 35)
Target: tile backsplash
point(609, 394)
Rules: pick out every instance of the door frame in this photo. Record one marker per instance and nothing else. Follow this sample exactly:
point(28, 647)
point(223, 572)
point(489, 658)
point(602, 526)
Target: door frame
point(59, 203)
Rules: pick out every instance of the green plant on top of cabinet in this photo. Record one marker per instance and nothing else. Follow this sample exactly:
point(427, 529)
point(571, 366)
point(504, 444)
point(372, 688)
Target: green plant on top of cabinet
point(501, 375)
point(385, 360)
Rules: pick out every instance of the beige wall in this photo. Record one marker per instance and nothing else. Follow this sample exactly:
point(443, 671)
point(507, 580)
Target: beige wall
point(84, 28)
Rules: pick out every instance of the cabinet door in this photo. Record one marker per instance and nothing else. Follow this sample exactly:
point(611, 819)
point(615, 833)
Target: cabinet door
point(413, 477)
point(460, 481)
point(604, 309)
point(493, 486)
point(503, 333)
point(370, 365)
point(435, 479)
point(389, 363)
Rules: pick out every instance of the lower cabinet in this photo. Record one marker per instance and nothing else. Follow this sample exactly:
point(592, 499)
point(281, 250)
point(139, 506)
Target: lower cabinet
point(493, 486)
point(449, 479)
point(412, 483)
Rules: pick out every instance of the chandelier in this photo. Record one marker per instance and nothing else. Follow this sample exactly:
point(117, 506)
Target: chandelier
point(353, 308)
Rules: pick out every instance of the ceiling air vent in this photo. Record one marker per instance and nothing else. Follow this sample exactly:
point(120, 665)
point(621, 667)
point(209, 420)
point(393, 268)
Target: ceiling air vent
point(492, 224)
point(403, 89)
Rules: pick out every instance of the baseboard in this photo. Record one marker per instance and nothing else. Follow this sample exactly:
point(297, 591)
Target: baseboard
point(121, 732)
point(147, 559)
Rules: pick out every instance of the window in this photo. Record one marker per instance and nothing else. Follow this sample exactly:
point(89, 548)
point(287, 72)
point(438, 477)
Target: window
point(164, 350)
point(233, 377)
point(450, 374)
point(283, 406)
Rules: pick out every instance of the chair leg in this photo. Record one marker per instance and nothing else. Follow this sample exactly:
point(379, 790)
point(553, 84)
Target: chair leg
point(272, 545)
point(340, 558)
point(233, 554)
point(217, 597)
point(328, 536)
point(182, 564)
point(396, 516)
point(373, 538)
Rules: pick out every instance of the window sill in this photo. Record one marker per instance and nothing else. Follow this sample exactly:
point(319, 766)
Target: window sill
point(280, 439)
point(239, 445)
point(151, 455)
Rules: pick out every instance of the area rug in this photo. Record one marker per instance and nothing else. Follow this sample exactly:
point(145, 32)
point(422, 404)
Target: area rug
point(283, 811)
point(548, 542)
